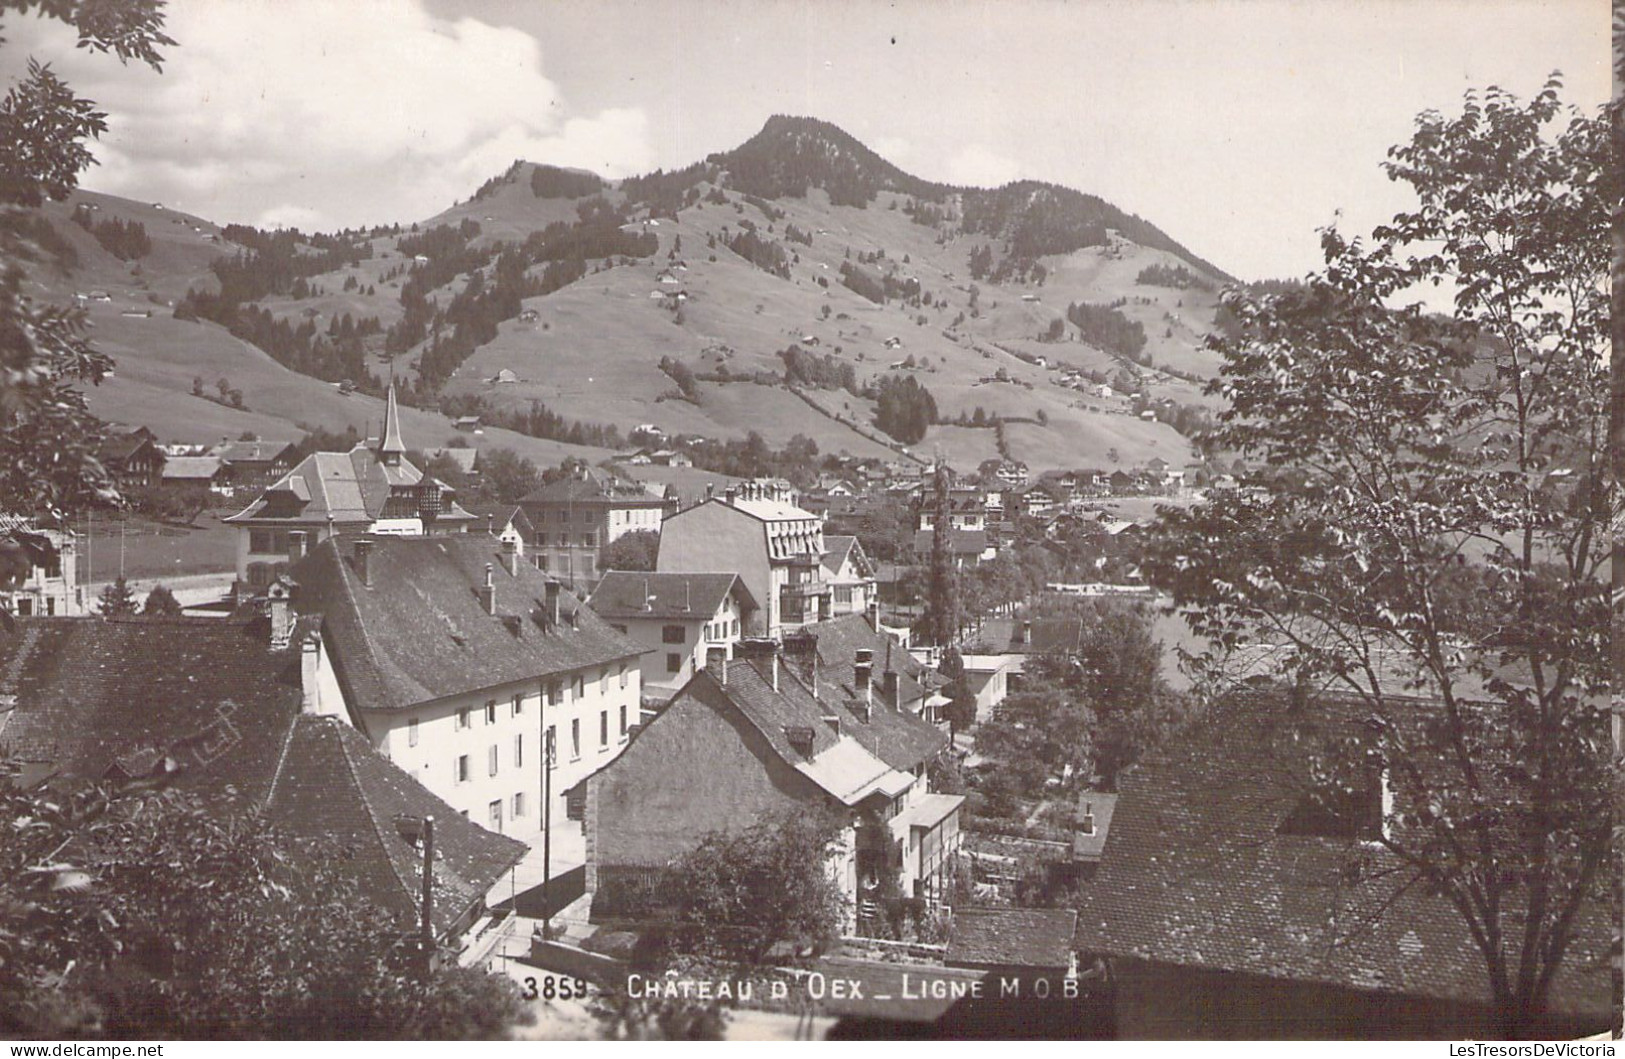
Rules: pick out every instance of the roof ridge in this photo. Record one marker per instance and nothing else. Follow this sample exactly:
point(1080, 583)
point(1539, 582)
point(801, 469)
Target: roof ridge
point(281, 762)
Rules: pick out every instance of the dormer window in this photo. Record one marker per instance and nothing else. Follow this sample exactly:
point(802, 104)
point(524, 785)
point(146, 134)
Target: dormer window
point(1358, 810)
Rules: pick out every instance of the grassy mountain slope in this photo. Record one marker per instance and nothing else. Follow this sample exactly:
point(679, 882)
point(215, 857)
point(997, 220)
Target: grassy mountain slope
point(809, 201)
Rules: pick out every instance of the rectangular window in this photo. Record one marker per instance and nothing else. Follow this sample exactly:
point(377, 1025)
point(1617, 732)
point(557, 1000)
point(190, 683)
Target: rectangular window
point(519, 804)
point(843, 593)
point(623, 720)
point(491, 712)
point(673, 634)
point(496, 815)
point(586, 516)
point(518, 705)
point(623, 676)
point(589, 540)
point(555, 693)
point(463, 720)
point(491, 759)
point(541, 540)
point(603, 681)
point(674, 662)
point(462, 768)
point(735, 627)
point(579, 686)
point(575, 738)
point(519, 751)
point(412, 732)
point(603, 728)
point(551, 747)
point(561, 515)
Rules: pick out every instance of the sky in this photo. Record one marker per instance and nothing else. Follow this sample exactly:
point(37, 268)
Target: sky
point(1239, 127)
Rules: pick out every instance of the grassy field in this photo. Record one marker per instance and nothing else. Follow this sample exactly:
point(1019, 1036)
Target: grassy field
point(145, 549)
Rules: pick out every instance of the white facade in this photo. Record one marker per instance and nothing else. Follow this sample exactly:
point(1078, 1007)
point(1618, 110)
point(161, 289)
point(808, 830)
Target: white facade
point(481, 751)
point(52, 589)
point(676, 648)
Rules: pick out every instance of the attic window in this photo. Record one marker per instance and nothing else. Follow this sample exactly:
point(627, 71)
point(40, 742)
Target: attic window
point(800, 738)
point(1346, 811)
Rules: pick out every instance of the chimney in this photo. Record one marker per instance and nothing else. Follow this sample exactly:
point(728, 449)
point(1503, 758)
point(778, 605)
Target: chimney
point(488, 591)
point(296, 546)
point(710, 489)
point(729, 495)
point(775, 670)
point(363, 560)
point(716, 663)
point(282, 617)
point(800, 738)
point(648, 601)
point(552, 611)
point(1088, 827)
point(510, 556)
point(1026, 632)
point(310, 657)
point(862, 671)
point(893, 688)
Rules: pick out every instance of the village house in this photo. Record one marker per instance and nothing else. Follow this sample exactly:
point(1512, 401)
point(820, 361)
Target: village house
point(746, 740)
point(757, 531)
point(967, 510)
point(208, 473)
point(133, 458)
point(460, 661)
point(370, 489)
point(229, 707)
point(678, 620)
point(1012, 474)
point(255, 464)
point(38, 570)
point(850, 576)
point(576, 517)
point(1233, 903)
point(849, 651)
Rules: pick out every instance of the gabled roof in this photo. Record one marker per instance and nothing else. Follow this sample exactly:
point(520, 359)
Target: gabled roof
point(335, 786)
point(252, 451)
point(837, 763)
point(593, 487)
point(960, 541)
point(209, 703)
point(116, 448)
point(838, 549)
point(1197, 872)
point(192, 468)
point(645, 594)
point(350, 487)
point(1012, 937)
point(417, 632)
point(899, 737)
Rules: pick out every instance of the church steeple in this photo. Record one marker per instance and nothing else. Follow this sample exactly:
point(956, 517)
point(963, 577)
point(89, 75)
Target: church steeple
point(392, 448)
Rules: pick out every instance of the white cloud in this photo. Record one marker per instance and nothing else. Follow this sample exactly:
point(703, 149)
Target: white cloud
point(977, 166)
point(335, 113)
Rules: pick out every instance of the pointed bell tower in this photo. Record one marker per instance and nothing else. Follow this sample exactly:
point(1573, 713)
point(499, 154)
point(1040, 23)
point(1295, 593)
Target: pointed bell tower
point(392, 448)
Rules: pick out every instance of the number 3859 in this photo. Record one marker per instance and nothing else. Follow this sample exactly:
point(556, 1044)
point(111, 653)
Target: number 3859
point(553, 987)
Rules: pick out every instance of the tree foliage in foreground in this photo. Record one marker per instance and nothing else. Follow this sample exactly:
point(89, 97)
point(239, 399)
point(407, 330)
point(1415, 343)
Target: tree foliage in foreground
point(150, 914)
point(48, 438)
point(738, 894)
point(1434, 532)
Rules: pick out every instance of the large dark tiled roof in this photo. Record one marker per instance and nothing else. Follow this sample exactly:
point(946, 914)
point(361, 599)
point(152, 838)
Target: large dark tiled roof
point(418, 630)
point(1196, 871)
point(1012, 937)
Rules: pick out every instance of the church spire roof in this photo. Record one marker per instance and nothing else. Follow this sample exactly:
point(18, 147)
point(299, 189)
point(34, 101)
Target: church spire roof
point(392, 448)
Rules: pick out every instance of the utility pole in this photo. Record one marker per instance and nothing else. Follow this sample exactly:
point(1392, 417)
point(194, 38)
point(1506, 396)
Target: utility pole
point(426, 941)
point(547, 820)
